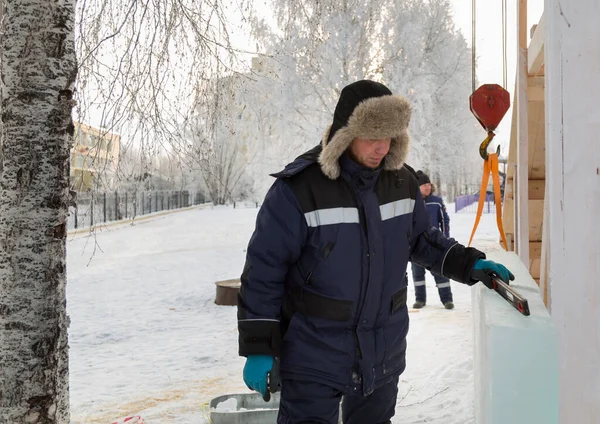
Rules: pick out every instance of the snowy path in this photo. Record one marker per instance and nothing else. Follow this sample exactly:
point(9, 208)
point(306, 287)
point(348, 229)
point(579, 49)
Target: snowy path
point(147, 339)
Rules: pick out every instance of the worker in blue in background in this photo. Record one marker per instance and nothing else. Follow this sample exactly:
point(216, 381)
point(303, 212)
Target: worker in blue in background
point(439, 218)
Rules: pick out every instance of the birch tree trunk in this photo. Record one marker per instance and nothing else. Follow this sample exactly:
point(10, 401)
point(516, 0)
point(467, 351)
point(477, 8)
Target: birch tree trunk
point(38, 69)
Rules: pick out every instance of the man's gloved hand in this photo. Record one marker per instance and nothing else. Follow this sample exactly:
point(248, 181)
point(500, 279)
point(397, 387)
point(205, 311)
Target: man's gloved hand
point(484, 270)
point(256, 373)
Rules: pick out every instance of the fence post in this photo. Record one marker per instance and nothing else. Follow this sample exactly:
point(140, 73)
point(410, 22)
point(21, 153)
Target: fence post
point(126, 215)
point(169, 202)
point(76, 210)
point(104, 206)
point(116, 205)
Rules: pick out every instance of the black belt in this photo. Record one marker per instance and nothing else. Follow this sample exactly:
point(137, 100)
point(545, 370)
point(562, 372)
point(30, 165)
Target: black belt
point(315, 305)
point(318, 306)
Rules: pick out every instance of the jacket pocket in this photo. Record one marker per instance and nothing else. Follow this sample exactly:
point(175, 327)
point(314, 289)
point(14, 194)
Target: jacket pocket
point(399, 299)
point(315, 255)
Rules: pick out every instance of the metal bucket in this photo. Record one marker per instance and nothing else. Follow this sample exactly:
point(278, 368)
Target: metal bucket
point(245, 408)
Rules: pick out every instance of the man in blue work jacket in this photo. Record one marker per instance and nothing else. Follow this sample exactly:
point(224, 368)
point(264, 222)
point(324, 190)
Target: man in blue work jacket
point(324, 289)
point(438, 218)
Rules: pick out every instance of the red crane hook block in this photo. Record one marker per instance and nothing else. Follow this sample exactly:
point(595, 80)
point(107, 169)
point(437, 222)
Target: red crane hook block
point(489, 103)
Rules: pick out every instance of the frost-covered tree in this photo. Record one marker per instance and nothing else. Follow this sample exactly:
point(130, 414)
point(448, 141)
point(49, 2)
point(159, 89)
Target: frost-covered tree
point(254, 117)
point(218, 143)
point(319, 47)
point(222, 170)
point(431, 65)
point(410, 45)
point(146, 68)
point(38, 71)
point(290, 92)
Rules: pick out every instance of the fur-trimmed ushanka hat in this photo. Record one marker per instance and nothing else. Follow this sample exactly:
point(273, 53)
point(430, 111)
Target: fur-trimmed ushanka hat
point(366, 109)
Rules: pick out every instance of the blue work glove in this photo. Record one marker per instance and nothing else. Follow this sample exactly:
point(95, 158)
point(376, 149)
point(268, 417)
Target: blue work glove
point(484, 270)
point(256, 373)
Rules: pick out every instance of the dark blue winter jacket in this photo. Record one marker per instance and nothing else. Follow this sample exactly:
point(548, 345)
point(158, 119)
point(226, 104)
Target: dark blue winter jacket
point(438, 214)
point(324, 283)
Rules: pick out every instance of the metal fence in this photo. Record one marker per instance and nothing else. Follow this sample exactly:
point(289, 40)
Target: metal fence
point(94, 208)
point(469, 203)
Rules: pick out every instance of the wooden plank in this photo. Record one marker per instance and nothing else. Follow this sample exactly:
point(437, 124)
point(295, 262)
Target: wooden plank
point(512, 148)
point(520, 182)
point(508, 216)
point(521, 178)
point(537, 140)
point(522, 24)
point(535, 89)
point(535, 224)
point(535, 94)
point(508, 189)
point(509, 241)
point(535, 249)
point(536, 189)
point(535, 53)
point(536, 210)
point(534, 268)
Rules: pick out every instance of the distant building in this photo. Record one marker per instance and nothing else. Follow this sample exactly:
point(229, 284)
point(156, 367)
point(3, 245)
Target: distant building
point(94, 158)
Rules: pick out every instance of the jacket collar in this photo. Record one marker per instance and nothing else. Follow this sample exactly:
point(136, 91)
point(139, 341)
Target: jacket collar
point(357, 174)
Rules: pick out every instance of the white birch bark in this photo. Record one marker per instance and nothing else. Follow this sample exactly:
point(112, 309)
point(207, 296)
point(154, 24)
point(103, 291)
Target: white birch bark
point(38, 69)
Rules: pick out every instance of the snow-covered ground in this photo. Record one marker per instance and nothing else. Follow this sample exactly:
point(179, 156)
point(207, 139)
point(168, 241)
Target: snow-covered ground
point(147, 339)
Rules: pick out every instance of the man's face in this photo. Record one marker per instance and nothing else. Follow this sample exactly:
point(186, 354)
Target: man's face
point(425, 189)
point(370, 152)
